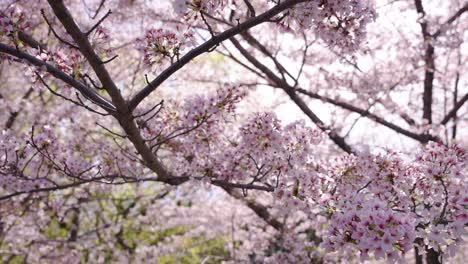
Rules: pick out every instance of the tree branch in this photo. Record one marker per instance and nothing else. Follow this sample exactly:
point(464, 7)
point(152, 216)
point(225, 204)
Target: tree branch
point(451, 20)
point(83, 89)
point(207, 46)
point(453, 112)
point(260, 210)
point(423, 138)
point(123, 114)
point(429, 61)
point(54, 188)
point(290, 91)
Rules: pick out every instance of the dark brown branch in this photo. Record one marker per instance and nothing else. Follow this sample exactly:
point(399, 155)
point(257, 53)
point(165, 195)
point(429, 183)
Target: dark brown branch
point(250, 8)
point(455, 97)
point(207, 46)
point(175, 134)
point(160, 105)
point(98, 9)
point(303, 62)
point(110, 131)
point(109, 179)
point(80, 103)
point(408, 119)
point(422, 14)
point(453, 112)
point(93, 83)
point(31, 42)
point(111, 59)
point(451, 20)
point(429, 63)
point(86, 91)
point(428, 83)
point(123, 113)
point(232, 57)
point(210, 29)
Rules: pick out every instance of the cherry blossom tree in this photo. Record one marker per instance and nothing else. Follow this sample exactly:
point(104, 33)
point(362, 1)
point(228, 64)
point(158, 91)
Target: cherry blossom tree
point(233, 131)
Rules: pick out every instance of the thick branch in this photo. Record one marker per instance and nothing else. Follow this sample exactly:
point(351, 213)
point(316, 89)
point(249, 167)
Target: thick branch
point(429, 61)
point(422, 14)
point(62, 13)
point(428, 83)
point(83, 89)
point(123, 115)
point(207, 46)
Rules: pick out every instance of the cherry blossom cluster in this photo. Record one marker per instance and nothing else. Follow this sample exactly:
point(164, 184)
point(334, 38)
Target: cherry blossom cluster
point(258, 151)
point(194, 129)
point(6, 26)
point(369, 226)
point(381, 205)
point(100, 38)
point(205, 144)
point(71, 64)
point(340, 23)
point(440, 197)
point(160, 44)
point(339, 192)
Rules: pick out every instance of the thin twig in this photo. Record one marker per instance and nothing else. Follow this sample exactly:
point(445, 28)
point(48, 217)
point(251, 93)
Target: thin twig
point(98, 23)
point(55, 33)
